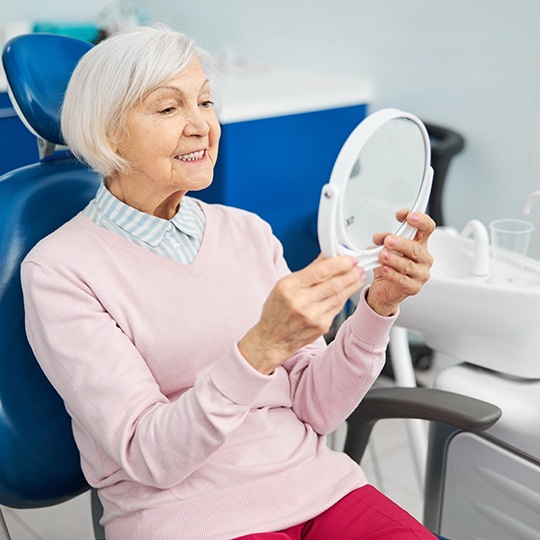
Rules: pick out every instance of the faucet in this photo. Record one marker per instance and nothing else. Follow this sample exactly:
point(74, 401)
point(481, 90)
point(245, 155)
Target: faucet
point(530, 200)
point(480, 260)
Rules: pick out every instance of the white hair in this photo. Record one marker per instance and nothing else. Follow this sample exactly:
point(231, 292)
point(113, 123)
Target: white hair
point(114, 76)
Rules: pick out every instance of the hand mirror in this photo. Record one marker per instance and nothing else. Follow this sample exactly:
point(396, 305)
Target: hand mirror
point(383, 167)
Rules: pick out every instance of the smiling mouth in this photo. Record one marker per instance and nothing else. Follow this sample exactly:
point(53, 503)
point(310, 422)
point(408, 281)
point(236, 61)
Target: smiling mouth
point(192, 156)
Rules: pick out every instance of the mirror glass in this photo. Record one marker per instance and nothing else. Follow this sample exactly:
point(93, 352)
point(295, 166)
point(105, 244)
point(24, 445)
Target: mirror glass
point(385, 178)
point(383, 167)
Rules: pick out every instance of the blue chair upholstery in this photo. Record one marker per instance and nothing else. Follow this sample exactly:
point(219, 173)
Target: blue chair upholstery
point(39, 461)
point(37, 92)
point(34, 201)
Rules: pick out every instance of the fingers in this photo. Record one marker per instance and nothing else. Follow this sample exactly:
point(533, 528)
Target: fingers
point(321, 270)
point(406, 263)
point(332, 296)
point(378, 238)
point(326, 284)
point(405, 281)
point(413, 250)
point(416, 249)
point(401, 215)
point(300, 308)
point(423, 224)
point(409, 257)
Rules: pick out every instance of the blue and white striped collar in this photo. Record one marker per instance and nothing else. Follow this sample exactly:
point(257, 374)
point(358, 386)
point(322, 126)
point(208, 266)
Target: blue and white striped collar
point(146, 227)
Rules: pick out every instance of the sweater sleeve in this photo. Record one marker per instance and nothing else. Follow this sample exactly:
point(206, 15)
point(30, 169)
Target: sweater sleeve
point(328, 383)
point(81, 350)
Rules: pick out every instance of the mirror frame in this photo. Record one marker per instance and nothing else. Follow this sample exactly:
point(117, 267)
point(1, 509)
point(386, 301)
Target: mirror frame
point(330, 223)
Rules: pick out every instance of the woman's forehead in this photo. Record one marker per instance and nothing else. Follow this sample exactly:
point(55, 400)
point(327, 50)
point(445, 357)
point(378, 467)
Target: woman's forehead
point(192, 79)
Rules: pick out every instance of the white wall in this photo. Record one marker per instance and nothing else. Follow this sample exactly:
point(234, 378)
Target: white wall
point(47, 10)
point(471, 65)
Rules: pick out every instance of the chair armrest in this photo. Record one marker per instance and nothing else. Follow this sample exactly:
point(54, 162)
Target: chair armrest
point(457, 410)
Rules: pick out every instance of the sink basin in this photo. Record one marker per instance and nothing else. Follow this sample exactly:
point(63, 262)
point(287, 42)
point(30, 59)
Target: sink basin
point(475, 319)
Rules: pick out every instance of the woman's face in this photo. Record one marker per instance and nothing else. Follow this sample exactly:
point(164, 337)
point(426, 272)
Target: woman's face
point(171, 143)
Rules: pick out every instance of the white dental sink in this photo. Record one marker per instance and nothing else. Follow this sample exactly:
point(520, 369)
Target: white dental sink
point(475, 319)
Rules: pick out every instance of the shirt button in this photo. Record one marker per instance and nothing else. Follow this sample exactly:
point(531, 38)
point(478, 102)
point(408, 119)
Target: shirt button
point(169, 226)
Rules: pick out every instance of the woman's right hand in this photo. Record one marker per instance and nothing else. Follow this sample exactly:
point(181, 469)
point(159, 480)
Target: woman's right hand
point(300, 309)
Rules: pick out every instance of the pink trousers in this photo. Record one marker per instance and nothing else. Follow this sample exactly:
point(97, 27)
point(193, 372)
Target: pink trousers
point(364, 514)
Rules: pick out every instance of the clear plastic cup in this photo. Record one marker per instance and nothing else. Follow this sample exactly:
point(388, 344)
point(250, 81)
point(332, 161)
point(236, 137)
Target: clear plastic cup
point(510, 240)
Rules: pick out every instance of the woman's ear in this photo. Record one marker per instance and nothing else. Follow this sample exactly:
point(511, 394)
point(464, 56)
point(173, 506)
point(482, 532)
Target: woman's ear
point(112, 142)
point(118, 140)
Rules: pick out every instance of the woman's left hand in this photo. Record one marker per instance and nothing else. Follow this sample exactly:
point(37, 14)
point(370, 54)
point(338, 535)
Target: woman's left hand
point(405, 264)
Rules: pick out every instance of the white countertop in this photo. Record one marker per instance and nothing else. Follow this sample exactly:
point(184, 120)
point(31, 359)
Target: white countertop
point(256, 92)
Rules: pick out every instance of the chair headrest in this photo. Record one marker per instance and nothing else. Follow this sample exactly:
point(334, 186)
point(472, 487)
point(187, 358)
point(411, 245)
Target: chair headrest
point(38, 68)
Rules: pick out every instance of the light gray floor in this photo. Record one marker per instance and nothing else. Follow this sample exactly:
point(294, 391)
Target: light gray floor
point(388, 465)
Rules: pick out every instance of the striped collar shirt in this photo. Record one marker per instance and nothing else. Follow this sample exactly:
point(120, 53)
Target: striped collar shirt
point(178, 239)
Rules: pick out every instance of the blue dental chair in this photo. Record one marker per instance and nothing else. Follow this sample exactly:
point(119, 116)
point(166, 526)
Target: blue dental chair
point(39, 461)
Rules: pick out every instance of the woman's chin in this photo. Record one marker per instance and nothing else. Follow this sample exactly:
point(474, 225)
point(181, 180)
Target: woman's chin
point(201, 184)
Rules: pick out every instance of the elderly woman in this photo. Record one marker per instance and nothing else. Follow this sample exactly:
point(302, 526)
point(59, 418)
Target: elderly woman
point(189, 358)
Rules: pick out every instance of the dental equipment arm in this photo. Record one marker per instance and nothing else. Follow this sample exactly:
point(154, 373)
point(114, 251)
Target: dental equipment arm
point(480, 260)
point(530, 200)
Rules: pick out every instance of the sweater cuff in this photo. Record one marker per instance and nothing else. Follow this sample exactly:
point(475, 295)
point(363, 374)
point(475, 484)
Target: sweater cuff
point(367, 325)
point(237, 379)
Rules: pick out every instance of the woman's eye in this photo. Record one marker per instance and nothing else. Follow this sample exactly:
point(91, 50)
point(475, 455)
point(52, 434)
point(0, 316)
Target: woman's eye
point(207, 104)
point(167, 110)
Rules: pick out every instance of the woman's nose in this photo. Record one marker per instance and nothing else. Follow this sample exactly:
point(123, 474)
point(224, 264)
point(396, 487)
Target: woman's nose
point(196, 123)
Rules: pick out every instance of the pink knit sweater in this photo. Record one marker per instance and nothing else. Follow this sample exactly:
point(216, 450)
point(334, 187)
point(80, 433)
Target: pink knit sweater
point(183, 438)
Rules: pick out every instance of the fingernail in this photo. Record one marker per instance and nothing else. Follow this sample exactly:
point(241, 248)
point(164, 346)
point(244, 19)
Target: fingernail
point(392, 241)
point(414, 217)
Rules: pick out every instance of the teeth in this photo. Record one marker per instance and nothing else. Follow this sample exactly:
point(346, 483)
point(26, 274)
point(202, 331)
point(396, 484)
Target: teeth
point(193, 156)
